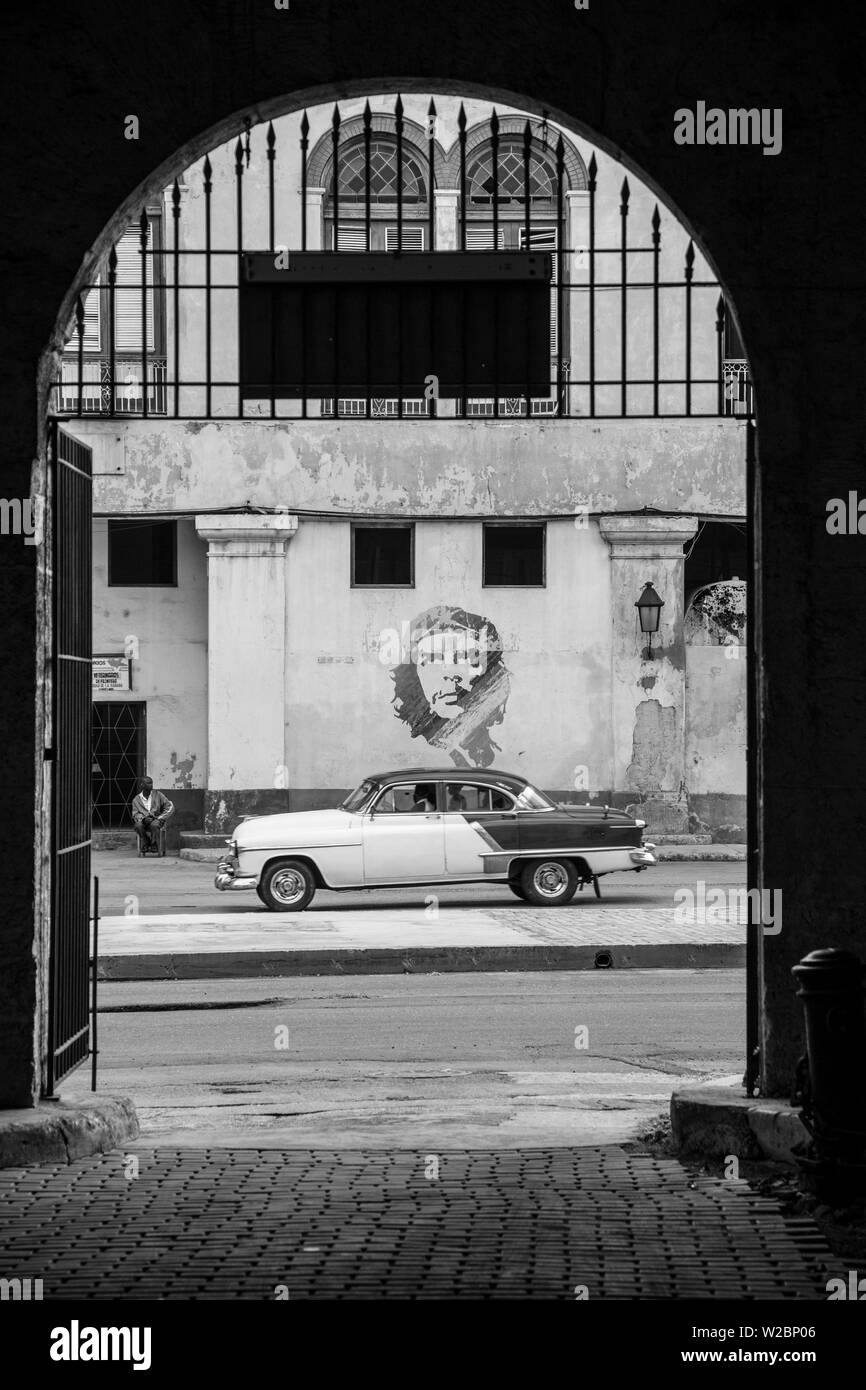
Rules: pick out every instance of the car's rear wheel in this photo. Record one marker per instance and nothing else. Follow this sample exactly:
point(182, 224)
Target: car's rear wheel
point(549, 882)
point(287, 886)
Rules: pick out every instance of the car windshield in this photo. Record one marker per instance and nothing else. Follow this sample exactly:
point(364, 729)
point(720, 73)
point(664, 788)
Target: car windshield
point(355, 800)
point(532, 800)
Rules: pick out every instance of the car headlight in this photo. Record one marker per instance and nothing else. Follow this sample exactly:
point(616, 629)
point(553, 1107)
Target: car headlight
point(233, 846)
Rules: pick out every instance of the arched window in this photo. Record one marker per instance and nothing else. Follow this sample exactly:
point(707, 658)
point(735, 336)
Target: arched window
point(512, 180)
point(383, 175)
point(382, 232)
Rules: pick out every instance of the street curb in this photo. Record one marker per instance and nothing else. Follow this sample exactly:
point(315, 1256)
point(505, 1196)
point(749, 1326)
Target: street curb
point(722, 1121)
point(427, 960)
point(61, 1132)
point(714, 854)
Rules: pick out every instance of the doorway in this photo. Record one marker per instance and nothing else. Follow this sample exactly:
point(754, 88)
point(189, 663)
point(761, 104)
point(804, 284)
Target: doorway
point(119, 760)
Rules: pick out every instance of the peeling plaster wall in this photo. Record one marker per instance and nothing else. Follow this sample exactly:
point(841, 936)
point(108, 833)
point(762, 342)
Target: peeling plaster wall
point(716, 696)
point(170, 674)
point(555, 641)
point(475, 468)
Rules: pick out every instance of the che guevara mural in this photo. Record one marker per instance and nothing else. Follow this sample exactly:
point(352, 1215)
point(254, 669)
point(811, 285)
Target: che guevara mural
point(451, 684)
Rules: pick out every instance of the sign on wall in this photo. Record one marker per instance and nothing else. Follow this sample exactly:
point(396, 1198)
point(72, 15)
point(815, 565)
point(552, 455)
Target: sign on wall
point(112, 673)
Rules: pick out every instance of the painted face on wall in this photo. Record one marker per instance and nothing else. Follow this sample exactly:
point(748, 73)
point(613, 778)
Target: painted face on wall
point(451, 684)
point(448, 664)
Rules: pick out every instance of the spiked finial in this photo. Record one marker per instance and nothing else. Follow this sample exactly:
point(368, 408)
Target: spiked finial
point(305, 126)
point(593, 170)
point(656, 225)
point(690, 260)
point(625, 192)
point(461, 119)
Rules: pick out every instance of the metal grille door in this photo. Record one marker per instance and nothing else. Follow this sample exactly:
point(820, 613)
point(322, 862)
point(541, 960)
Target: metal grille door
point(68, 1016)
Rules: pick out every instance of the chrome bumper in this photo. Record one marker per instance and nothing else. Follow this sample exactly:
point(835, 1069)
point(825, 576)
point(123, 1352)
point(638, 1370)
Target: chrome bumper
point(229, 880)
point(643, 856)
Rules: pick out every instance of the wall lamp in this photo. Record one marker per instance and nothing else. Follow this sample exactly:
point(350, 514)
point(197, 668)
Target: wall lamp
point(649, 607)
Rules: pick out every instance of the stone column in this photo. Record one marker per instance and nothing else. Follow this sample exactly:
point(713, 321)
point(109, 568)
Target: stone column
point(247, 758)
point(648, 695)
point(447, 228)
point(315, 224)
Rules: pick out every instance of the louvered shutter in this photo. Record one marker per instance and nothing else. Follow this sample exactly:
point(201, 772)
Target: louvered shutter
point(353, 237)
point(127, 311)
point(413, 238)
point(481, 239)
point(544, 239)
point(91, 322)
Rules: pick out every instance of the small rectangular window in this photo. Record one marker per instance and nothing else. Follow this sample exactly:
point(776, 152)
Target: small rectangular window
point(142, 553)
point(514, 555)
point(383, 556)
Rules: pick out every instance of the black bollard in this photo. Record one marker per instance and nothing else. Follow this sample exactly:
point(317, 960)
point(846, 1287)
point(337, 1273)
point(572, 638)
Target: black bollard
point(833, 1089)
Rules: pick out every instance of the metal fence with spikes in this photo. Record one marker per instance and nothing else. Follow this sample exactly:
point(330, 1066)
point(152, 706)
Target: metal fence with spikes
point(156, 332)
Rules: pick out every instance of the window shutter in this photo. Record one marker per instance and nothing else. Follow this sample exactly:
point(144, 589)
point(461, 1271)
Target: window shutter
point(481, 239)
point(544, 239)
point(353, 237)
point(413, 238)
point(127, 311)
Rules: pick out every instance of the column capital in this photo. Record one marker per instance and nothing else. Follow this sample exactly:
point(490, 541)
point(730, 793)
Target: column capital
point(239, 533)
point(647, 536)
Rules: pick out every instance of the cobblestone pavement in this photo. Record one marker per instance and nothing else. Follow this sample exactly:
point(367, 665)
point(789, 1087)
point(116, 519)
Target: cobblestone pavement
point(534, 1223)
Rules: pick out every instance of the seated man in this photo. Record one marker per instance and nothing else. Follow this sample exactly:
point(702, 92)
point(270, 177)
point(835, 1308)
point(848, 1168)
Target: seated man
point(425, 798)
point(456, 799)
point(150, 810)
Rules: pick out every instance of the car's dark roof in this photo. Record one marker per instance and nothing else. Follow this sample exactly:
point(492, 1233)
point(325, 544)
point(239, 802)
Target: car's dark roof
point(489, 777)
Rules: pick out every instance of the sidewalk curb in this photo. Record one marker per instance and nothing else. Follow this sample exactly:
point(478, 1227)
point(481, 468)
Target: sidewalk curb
point(229, 965)
point(61, 1132)
point(719, 1121)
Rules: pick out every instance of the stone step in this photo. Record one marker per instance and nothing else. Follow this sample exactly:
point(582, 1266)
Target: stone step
point(203, 839)
point(204, 854)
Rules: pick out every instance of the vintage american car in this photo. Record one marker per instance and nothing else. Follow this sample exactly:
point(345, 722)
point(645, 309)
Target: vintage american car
point(428, 826)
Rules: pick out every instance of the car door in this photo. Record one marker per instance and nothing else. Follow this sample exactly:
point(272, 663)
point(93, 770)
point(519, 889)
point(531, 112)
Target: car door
point(402, 844)
point(479, 820)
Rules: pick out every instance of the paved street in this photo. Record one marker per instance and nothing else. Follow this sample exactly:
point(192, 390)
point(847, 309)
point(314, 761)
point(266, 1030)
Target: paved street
point(154, 886)
point(400, 1061)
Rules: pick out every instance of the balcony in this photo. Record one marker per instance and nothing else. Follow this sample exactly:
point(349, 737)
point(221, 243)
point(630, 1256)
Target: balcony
point(96, 389)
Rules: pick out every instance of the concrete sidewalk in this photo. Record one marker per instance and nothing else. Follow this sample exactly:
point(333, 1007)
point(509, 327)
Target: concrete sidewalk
point(406, 940)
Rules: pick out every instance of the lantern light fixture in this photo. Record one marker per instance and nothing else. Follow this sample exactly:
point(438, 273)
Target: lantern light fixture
point(649, 607)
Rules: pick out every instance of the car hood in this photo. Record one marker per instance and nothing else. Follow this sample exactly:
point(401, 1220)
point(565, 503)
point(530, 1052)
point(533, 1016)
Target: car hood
point(297, 828)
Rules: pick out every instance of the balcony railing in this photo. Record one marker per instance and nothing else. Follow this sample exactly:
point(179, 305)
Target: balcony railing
point(739, 392)
point(96, 392)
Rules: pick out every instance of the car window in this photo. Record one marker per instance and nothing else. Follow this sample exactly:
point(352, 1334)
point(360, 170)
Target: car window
point(469, 796)
point(397, 801)
point(530, 799)
point(355, 800)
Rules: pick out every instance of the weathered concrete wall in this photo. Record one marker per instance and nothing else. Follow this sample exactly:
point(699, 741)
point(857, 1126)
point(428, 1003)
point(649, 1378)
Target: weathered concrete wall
point(550, 711)
point(428, 468)
point(170, 671)
point(716, 694)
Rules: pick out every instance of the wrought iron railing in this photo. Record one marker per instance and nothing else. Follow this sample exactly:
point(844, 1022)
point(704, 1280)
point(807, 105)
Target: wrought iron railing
point(615, 353)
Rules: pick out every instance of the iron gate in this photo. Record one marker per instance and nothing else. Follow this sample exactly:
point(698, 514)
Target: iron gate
point(68, 1004)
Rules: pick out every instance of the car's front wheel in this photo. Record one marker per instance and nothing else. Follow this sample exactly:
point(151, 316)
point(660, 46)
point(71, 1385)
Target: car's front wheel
point(549, 882)
point(287, 886)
